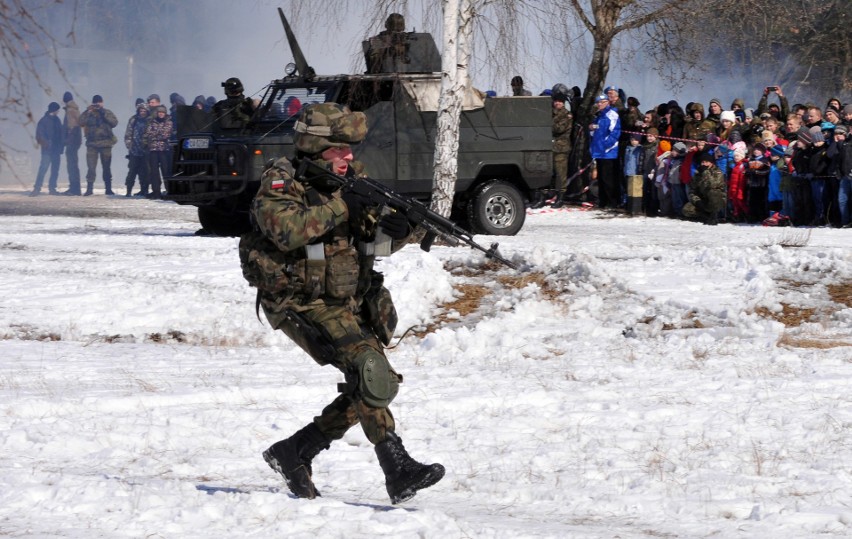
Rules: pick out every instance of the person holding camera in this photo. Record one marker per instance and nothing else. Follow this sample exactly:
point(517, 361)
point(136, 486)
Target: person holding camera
point(97, 123)
point(779, 111)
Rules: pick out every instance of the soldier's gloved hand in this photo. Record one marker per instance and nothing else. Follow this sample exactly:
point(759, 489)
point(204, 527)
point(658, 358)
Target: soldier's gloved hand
point(355, 202)
point(395, 225)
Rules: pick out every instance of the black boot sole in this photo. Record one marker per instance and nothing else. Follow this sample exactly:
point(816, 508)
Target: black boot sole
point(433, 474)
point(301, 487)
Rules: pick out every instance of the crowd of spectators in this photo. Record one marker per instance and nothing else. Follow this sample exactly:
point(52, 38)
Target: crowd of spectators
point(781, 164)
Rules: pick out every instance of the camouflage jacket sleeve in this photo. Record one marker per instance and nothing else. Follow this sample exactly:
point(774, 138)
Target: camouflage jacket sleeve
point(128, 131)
point(282, 213)
point(110, 118)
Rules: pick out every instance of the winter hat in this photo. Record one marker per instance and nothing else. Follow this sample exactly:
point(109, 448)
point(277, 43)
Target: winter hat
point(728, 115)
point(804, 135)
point(97, 99)
point(53, 107)
point(662, 109)
point(715, 100)
point(826, 126)
point(680, 148)
point(738, 102)
point(601, 97)
point(612, 87)
point(652, 131)
point(817, 135)
point(154, 96)
point(847, 109)
point(141, 107)
point(66, 97)
point(636, 136)
point(778, 150)
point(139, 101)
point(841, 130)
point(161, 108)
point(767, 135)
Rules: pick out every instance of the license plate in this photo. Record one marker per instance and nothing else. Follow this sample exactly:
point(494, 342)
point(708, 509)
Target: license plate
point(196, 143)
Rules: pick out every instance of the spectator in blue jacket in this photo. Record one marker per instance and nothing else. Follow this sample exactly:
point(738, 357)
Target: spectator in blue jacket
point(604, 150)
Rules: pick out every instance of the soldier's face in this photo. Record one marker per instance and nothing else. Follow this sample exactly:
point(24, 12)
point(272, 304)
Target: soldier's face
point(339, 157)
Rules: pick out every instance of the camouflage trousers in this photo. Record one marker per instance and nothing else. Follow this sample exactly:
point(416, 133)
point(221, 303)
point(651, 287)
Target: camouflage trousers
point(704, 210)
point(92, 163)
point(560, 166)
point(352, 344)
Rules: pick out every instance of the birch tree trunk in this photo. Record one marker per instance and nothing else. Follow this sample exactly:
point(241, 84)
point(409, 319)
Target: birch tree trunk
point(455, 57)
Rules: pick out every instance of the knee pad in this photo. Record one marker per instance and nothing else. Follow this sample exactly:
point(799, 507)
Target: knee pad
point(377, 383)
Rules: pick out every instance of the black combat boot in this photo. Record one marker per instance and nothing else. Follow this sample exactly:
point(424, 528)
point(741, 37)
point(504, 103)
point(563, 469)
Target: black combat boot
point(108, 187)
point(560, 200)
point(292, 459)
point(404, 476)
point(129, 191)
point(539, 200)
point(89, 187)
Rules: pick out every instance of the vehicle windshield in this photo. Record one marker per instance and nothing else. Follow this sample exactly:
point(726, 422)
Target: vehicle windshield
point(284, 105)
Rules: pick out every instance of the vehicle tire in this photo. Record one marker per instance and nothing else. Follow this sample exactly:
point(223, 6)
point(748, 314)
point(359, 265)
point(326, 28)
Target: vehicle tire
point(219, 222)
point(497, 209)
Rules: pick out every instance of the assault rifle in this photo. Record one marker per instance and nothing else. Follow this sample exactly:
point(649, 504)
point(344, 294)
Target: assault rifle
point(417, 213)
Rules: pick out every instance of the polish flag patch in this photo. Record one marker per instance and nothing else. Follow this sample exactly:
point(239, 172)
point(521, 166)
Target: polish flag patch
point(277, 184)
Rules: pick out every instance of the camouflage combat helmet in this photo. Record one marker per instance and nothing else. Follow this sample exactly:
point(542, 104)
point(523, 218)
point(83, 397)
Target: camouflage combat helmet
point(328, 125)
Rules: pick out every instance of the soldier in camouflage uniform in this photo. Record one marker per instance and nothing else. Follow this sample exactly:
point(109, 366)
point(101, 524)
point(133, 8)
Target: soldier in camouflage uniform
point(97, 123)
point(311, 255)
point(235, 111)
point(707, 192)
point(563, 121)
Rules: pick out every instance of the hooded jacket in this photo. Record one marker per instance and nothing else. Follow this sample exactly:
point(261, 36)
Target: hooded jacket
point(604, 144)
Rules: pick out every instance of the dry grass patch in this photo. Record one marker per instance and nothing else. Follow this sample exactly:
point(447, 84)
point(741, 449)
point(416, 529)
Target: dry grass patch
point(841, 293)
point(804, 342)
point(468, 302)
point(523, 280)
point(790, 316)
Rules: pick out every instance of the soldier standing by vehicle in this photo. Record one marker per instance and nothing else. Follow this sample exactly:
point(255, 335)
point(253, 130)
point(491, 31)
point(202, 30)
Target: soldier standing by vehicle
point(97, 123)
point(310, 254)
point(137, 155)
point(73, 141)
point(236, 110)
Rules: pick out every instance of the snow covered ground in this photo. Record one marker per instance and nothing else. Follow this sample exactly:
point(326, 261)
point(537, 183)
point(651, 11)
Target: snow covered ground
point(636, 382)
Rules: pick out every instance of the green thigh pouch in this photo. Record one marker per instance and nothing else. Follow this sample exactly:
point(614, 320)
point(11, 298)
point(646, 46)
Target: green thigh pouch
point(378, 309)
point(378, 383)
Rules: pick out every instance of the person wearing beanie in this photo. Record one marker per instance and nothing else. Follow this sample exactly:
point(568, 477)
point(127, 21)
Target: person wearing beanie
point(50, 139)
point(818, 170)
point(714, 112)
point(706, 191)
point(98, 123)
point(842, 160)
point(157, 133)
point(137, 153)
point(675, 162)
point(73, 138)
point(647, 167)
point(605, 132)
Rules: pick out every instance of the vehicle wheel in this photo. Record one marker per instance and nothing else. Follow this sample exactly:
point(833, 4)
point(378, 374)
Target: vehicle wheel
point(219, 222)
point(497, 209)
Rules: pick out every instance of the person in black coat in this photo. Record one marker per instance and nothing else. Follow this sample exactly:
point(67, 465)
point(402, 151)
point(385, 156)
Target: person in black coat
point(51, 138)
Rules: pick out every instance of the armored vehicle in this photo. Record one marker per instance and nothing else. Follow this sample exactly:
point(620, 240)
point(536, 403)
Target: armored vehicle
point(504, 149)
